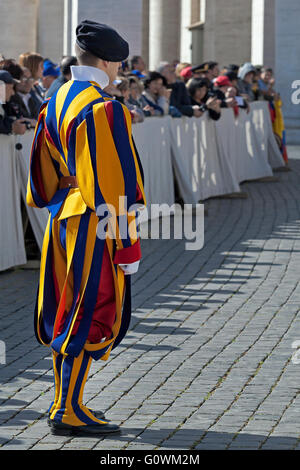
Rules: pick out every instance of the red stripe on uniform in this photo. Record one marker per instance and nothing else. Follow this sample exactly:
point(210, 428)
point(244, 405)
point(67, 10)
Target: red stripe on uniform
point(109, 114)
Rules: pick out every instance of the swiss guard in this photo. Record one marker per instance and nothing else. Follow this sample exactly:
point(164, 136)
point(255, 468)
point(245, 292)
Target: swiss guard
point(85, 169)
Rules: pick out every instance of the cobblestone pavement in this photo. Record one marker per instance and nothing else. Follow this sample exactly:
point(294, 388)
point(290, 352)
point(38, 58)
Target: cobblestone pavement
point(208, 362)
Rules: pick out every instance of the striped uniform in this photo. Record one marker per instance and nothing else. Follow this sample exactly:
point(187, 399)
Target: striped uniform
point(82, 132)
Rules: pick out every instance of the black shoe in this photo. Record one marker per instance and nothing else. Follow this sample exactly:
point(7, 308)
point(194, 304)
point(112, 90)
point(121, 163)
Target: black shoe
point(97, 414)
point(61, 429)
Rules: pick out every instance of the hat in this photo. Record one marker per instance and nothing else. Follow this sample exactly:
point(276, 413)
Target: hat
point(137, 73)
point(186, 72)
point(50, 69)
point(7, 78)
point(200, 68)
point(222, 80)
point(102, 41)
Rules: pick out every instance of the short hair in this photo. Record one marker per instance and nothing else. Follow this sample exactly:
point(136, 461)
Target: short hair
point(123, 84)
point(65, 64)
point(180, 66)
point(194, 84)
point(267, 69)
point(162, 66)
point(153, 76)
point(31, 60)
point(211, 64)
point(85, 57)
point(233, 68)
point(231, 75)
point(11, 66)
point(134, 80)
point(134, 61)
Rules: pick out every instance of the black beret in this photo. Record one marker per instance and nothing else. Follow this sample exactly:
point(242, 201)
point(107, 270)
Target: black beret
point(102, 41)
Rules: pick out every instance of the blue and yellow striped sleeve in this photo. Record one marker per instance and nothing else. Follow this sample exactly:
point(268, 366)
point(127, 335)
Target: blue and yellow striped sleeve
point(42, 179)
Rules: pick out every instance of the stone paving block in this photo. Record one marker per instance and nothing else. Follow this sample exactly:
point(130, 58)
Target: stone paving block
point(207, 360)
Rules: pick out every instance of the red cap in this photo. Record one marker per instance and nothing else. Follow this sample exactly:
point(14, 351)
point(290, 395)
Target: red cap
point(186, 72)
point(222, 80)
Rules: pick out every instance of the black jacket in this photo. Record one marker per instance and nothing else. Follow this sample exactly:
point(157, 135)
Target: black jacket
point(5, 121)
point(18, 108)
point(181, 99)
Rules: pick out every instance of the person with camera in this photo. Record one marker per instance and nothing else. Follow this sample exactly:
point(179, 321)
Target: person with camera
point(204, 98)
point(8, 124)
point(23, 103)
point(179, 98)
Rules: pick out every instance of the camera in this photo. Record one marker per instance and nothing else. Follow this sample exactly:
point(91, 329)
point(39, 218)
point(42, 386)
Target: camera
point(212, 94)
point(203, 108)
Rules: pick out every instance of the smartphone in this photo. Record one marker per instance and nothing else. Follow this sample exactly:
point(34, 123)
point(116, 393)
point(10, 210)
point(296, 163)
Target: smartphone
point(240, 101)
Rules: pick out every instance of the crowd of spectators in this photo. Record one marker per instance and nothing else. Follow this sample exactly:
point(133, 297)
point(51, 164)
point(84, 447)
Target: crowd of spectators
point(25, 84)
point(176, 89)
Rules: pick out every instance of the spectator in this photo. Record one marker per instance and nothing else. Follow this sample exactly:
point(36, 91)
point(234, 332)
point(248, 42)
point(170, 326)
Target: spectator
point(180, 98)
point(11, 66)
point(65, 75)
point(123, 86)
point(233, 77)
point(266, 83)
point(15, 106)
point(156, 94)
point(24, 102)
point(138, 66)
point(35, 63)
point(199, 92)
point(179, 67)
point(8, 125)
point(125, 67)
point(199, 71)
point(209, 70)
point(213, 70)
point(233, 68)
point(245, 81)
point(221, 86)
point(135, 90)
point(186, 74)
point(50, 74)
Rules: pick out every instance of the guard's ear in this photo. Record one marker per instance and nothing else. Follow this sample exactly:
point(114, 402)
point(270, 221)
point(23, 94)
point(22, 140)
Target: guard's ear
point(105, 63)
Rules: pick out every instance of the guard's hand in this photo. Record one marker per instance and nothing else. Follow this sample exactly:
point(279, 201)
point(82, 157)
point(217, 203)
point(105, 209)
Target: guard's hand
point(130, 268)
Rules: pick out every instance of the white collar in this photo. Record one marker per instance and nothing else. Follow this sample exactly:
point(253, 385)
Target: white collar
point(85, 73)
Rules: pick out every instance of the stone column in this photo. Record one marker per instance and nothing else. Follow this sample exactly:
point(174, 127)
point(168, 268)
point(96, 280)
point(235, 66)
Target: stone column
point(227, 31)
point(18, 26)
point(67, 29)
point(164, 31)
point(287, 69)
point(186, 34)
point(126, 16)
point(263, 33)
point(145, 32)
point(50, 29)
